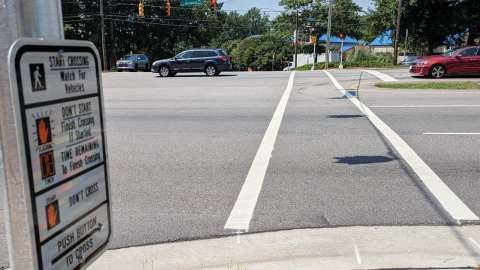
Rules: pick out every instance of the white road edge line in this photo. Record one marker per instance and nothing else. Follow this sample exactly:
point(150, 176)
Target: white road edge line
point(382, 76)
point(452, 133)
point(445, 196)
point(357, 254)
point(424, 106)
point(474, 242)
point(242, 211)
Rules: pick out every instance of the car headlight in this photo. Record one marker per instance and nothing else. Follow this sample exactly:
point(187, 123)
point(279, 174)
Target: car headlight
point(422, 63)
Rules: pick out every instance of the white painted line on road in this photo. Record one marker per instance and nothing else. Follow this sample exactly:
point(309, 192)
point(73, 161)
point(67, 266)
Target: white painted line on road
point(357, 254)
point(425, 106)
point(477, 245)
point(242, 211)
point(452, 133)
point(382, 76)
point(445, 196)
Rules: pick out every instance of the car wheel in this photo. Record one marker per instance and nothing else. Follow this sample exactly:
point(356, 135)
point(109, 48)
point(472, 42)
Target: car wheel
point(164, 71)
point(438, 71)
point(210, 70)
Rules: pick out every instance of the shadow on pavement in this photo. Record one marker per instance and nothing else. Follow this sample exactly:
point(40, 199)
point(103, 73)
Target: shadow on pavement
point(344, 116)
point(358, 160)
point(342, 97)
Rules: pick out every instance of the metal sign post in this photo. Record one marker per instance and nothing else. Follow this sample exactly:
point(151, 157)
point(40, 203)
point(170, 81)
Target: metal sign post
point(53, 141)
point(19, 18)
point(56, 96)
point(341, 54)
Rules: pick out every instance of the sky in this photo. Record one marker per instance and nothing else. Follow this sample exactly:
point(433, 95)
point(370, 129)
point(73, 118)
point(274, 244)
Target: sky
point(272, 5)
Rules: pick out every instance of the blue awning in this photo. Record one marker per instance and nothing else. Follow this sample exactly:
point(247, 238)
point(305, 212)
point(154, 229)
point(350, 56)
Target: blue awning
point(335, 39)
point(347, 47)
point(385, 39)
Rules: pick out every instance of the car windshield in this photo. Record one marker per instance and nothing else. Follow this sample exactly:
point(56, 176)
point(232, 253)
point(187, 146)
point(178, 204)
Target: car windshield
point(239, 134)
point(128, 57)
point(451, 52)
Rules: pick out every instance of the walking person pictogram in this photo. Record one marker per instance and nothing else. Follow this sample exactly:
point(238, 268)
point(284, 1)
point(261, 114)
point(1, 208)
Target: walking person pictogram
point(37, 76)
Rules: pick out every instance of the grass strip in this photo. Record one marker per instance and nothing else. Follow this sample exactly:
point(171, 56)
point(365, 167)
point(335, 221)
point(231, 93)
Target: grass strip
point(429, 85)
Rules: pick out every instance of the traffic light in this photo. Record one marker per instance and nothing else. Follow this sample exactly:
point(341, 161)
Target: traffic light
point(141, 9)
point(213, 6)
point(167, 8)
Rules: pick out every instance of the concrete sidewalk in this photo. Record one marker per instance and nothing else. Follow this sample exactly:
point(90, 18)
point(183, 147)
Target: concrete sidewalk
point(401, 247)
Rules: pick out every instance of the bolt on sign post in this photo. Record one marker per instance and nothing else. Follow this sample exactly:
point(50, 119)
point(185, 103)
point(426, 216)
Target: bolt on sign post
point(58, 116)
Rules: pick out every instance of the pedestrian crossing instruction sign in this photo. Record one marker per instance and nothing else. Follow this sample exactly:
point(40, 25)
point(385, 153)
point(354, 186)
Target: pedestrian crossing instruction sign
point(59, 120)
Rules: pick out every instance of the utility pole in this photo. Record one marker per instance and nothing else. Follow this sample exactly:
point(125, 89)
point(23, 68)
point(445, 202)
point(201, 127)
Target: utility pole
point(329, 32)
point(102, 33)
point(273, 61)
point(296, 32)
point(406, 42)
point(397, 32)
point(20, 18)
point(113, 55)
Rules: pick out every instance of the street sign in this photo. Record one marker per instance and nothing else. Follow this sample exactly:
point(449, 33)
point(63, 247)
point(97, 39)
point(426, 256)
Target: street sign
point(189, 3)
point(313, 39)
point(58, 113)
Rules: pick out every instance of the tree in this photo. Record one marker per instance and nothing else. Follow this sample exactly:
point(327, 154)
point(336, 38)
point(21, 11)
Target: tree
point(471, 16)
point(381, 18)
point(346, 18)
point(428, 24)
point(260, 52)
point(312, 14)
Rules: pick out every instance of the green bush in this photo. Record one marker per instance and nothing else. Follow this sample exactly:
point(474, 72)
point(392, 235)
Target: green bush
point(362, 58)
point(304, 67)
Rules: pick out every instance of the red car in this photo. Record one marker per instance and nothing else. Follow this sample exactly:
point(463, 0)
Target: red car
point(464, 61)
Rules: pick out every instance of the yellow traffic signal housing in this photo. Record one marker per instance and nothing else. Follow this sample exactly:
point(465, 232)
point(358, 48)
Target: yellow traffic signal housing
point(167, 8)
point(213, 6)
point(141, 9)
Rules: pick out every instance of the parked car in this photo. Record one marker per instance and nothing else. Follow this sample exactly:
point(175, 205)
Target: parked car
point(408, 60)
point(133, 62)
point(463, 61)
point(210, 61)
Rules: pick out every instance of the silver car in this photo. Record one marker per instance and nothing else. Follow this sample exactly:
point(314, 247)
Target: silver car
point(133, 62)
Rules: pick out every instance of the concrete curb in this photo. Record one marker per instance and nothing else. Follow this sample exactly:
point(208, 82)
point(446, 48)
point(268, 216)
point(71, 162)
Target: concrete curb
point(328, 248)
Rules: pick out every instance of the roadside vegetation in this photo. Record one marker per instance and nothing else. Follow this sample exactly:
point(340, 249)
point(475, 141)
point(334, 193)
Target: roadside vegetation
point(358, 58)
point(429, 85)
point(262, 39)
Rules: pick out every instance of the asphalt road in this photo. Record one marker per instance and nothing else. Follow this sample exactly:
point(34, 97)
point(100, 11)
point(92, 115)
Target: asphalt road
point(180, 150)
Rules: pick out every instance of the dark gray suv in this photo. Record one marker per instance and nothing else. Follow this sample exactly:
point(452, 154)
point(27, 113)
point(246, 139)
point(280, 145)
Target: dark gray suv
point(210, 61)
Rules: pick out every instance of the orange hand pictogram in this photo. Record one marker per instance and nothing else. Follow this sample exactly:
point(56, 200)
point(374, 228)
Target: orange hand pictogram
point(52, 216)
point(43, 131)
